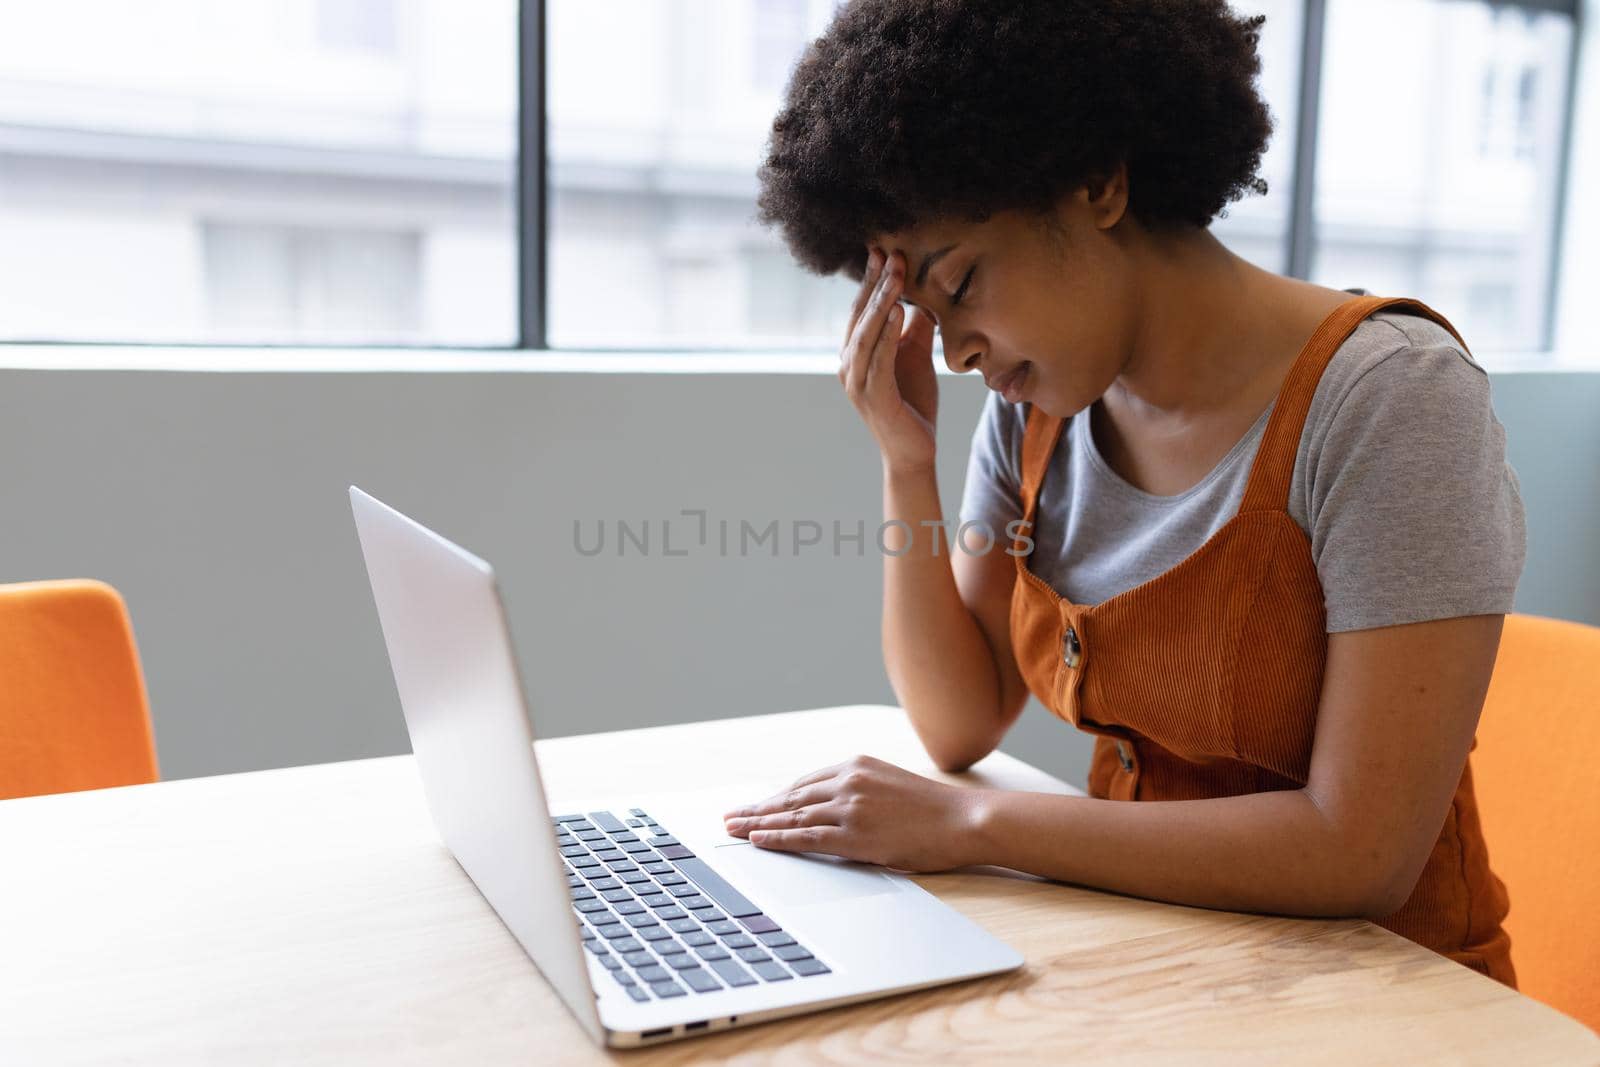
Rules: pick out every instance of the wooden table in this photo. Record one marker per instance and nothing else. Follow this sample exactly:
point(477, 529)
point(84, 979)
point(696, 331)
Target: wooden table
point(311, 915)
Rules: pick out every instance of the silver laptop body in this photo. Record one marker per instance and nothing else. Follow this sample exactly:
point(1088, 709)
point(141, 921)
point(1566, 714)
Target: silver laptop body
point(867, 933)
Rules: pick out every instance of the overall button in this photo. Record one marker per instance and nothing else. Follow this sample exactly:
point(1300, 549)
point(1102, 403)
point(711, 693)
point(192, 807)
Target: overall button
point(1122, 754)
point(1071, 650)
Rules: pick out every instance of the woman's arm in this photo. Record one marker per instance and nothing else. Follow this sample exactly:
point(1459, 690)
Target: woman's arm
point(1397, 714)
point(946, 629)
point(960, 689)
point(1398, 710)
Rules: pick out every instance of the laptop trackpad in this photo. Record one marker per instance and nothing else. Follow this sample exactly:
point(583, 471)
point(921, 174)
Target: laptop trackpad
point(804, 878)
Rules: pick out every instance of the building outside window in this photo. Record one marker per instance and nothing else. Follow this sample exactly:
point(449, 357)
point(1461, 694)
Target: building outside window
point(344, 171)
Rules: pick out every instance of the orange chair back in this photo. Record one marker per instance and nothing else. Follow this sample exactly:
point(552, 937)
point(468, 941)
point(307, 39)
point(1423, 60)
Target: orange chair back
point(73, 713)
point(1539, 801)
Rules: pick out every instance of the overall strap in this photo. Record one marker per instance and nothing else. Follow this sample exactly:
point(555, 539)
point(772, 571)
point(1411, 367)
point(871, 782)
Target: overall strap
point(1039, 437)
point(1273, 469)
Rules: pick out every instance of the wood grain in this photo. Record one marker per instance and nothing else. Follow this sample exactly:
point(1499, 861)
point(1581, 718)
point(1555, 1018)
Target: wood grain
point(311, 915)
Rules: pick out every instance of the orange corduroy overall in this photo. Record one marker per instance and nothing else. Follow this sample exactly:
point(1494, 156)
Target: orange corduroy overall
point(1204, 681)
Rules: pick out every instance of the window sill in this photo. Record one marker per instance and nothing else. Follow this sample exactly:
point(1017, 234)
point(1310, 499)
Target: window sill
point(297, 360)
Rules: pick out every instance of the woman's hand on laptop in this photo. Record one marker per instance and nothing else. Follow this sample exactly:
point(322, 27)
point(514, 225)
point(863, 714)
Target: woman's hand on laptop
point(868, 810)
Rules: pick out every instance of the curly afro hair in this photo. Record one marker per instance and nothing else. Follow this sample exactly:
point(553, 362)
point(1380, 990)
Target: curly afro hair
point(907, 111)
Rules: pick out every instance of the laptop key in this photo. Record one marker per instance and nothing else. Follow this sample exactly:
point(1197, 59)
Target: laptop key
point(753, 954)
point(671, 912)
point(626, 944)
point(617, 894)
point(643, 918)
point(622, 977)
point(588, 865)
point(656, 866)
point(680, 961)
point(771, 970)
point(606, 821)
point(758, 923)
point(790, 953)
point(573, 850)
point(712, 951)
point(716, 887)
point(596, 946)
point(633, 822)
point(695, 903)
point(723, 926)
point(654, 972)
point(671, 878)
point(634, 847)
point(636, 811)
point(738, 941)
point(698, 980)
point(602, 880)
point(569, 818)
point(641, 958)
point(663, 839)
point(775, 938)
point(589, 833)
point(657, 900)
point(581, 891)
point(624, 835)
point(731, 972)
point(636, 993)
point(674, 852)
point(630, 907)
point(666, 989)
point(634, 877)
point(610, 962)
point(592, 904)
point(612, 854)
point(684, 890)
point(684, 926)
point(807, 967)
point(697, 937)
point(654, 933)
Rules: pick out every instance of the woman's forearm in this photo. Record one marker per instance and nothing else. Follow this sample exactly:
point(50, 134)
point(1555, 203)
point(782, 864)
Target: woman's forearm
point(939, 663)
point(1272, 853)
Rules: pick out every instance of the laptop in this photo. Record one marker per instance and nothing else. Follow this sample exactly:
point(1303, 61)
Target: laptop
point(650, 922)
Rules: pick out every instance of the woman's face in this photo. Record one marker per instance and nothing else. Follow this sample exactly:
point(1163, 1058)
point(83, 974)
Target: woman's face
point(1044, 316)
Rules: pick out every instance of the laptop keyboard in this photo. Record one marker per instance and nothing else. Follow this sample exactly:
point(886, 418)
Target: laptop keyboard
point(661, 920)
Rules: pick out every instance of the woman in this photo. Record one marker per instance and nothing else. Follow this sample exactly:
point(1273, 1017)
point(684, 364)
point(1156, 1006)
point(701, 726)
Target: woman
point(1256, 535)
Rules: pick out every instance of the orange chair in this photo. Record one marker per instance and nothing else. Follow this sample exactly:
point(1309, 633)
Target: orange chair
point(73, 713)
point(1539, 801)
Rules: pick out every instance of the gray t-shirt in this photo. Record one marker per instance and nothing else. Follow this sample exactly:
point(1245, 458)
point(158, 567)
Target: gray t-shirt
point(1400, 481)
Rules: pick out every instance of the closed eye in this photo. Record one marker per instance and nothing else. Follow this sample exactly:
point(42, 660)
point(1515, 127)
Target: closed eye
point(961, 292)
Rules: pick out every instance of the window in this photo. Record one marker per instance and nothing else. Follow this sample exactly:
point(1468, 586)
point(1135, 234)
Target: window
point(278, 171)
point(346, 171)
point(1257, 227)
point(658, 115)
point(281, 284)
point(1450, 198)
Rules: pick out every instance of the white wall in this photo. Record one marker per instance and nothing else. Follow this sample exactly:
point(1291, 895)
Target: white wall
point(216, 503)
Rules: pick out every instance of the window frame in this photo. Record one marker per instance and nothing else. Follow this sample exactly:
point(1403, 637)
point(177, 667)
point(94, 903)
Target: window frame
point(1301, 238)
point(531, 191)
point(1299, 243)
